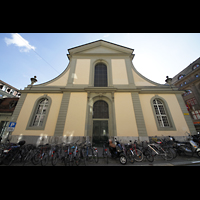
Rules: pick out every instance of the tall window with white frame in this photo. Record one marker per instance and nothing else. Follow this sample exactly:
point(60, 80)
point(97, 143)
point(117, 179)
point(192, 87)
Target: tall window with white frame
point(40, 113)
point(161, 113)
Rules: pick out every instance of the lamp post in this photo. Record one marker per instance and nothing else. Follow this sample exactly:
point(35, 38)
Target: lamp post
point(33, 80)
point(169, 81)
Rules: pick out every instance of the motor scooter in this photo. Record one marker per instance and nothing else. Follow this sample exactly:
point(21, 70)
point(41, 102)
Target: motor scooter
point(118, 152)
point(187, 148)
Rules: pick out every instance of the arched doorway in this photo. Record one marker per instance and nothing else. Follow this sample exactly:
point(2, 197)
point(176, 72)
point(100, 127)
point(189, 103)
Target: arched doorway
point(100, 122)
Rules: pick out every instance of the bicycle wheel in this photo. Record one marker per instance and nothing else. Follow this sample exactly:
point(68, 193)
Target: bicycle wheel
point(45, 159)
point(174, 152)
point(54, 158)
point(8, 158)
point(168, 154)
point(149, 155)
point(77, 159)
point(71, 160)
point(36, 158)
point(130, 156)
point(89, 155)
point(138, 155)
point(106, 155)
point(83, 152)
point(66, 160)
point(95, 156)
point(28, 157)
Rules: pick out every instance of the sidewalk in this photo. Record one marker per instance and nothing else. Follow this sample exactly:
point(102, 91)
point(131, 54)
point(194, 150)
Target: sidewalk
point(158, 161)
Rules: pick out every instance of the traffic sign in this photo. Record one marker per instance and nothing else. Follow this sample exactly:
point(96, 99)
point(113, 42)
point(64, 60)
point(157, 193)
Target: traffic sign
point(11, 126)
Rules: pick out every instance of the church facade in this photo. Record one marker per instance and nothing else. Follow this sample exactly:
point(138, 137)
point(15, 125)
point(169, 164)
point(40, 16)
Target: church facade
point(100, 94)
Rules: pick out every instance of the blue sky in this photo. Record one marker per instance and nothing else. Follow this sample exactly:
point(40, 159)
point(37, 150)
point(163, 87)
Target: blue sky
point(156, 54)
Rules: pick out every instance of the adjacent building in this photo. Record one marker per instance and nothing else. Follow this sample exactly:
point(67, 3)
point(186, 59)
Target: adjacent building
point(7, 90)
point(189, 81)
point(101, 94)
point(9, 97)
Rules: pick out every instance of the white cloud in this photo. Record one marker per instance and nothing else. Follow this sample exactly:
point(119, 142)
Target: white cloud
point(19, 41)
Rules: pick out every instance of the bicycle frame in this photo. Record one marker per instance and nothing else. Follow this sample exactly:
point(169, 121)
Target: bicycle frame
point(154, 146)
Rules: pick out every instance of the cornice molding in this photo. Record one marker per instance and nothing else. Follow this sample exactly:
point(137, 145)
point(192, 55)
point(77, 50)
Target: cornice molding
point(142, 90)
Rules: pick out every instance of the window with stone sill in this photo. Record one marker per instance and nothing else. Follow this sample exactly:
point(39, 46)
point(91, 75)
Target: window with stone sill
point(161, 114)
point(40, 113)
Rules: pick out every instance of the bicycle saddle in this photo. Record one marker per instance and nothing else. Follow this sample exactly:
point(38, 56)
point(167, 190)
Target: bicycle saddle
point(21, 142)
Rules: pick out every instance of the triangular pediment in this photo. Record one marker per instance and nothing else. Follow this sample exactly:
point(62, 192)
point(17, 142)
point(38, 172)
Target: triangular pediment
point(100, 47)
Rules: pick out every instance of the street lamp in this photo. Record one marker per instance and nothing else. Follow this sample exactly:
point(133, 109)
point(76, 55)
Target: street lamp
point(33, 80)
point(168, 80)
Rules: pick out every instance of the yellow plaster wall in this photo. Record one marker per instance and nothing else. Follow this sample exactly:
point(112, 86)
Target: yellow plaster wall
point(61, 81)
point(119, 73)
point(177, 115)
point(139, 81)
point(75, 120)
point(125, 117)
point(26, 110)
point(82, 71)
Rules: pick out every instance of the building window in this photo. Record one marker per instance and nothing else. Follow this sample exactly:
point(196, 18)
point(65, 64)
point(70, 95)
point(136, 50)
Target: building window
point(3, 127)
point(40, 113)
point(190, 103)
point(161, 114)
point(196, 114)
point(100, 110)
point(195, 66)
point(187, 92)
point(180, 77)
point(100, 75)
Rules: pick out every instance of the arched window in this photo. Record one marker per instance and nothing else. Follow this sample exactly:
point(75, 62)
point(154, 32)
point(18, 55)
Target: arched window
point(195, 66)
point(181, 76)
point(100, 75)
point(161, 113)
point(40, 112)
point(100, 110)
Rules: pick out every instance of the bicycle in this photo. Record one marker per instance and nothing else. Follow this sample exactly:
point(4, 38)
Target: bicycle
point(164, 152)
point(137, 153)
point(128, 150)
point(81, 153)
point(41, 155)
point(147, 152)
point(12, 154)
point(58, 153)
point(105, 152)
point(90, 153)
point(29, 154)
